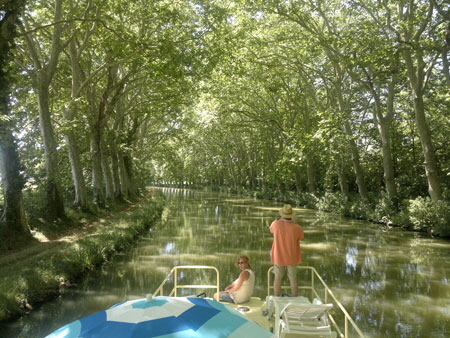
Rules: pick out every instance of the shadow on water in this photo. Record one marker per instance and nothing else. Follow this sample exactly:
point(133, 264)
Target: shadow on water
point(393, 283)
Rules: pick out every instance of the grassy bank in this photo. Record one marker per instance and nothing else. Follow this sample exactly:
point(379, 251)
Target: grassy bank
point(43, 270)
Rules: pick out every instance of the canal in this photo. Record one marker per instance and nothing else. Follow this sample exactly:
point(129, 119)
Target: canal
point(394, 283)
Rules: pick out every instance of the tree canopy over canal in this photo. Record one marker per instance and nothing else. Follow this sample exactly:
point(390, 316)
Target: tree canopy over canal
point(337, 104)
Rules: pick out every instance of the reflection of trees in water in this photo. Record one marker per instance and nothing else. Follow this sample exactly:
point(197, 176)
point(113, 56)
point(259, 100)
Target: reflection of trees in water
point(394, 284)
point(351, 259)
point(386, 280)
point(397, 276)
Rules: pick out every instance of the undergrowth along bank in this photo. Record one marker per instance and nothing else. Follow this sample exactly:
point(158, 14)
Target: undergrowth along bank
point(44, 275)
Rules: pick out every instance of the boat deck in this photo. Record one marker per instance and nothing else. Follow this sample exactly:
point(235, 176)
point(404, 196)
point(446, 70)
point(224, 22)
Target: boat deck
point(314, 291)
point(253, 310)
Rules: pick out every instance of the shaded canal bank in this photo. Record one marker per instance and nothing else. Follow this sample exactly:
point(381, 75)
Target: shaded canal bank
point(42, 271)
point(393, 283)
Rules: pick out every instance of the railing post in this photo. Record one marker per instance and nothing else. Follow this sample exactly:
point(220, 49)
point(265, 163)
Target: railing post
point(175, 281)
point(217, 281)
point(346, 327)
point(268, 280)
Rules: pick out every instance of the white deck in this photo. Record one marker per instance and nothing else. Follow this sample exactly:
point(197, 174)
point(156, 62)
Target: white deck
point(255, 306)
point(255, 309)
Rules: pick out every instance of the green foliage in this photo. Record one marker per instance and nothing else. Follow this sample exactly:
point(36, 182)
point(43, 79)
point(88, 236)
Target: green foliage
point(420, 214)
point(9, 307)
point(427, 215)
point(245, 96)
point(353, 208)
point(331, 201)
point(304, 199)
point(38, 277)
point(384, 210)
point(359, 210)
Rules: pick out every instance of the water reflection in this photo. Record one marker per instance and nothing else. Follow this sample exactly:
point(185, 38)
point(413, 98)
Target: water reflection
point(394, 283)
point(350, 259)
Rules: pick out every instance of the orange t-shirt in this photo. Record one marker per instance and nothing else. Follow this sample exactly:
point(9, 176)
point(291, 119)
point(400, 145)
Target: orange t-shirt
point(286, 242)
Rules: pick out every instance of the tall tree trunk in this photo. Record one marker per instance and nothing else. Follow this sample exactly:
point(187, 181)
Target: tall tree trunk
point(116, 175)
point(388, 167)
point(431, 168)
point(109, 99)
point(445, 14)
point(107, 174)
point(231, 170)
point(96, 127)
point(342, 179)
point(298, 179)
point(95, 139)
point(45, 71)
point(311, 173)
point(417, 80)
point(357, 168)
point(54, 202)
point(128, 164)
point(13, 220)
point(359, 173)
point(384, 126)
point(124, 181)
point(97, 176)
point(76, 167)
point(77, 46)
point(308, 130)
point(114, 143)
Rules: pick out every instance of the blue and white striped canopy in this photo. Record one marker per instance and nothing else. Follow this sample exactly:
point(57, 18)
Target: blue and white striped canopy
point(168, 317)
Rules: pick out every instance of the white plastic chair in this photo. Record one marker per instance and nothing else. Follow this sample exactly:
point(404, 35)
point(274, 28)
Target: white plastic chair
point(274, 303)
point(295, 317)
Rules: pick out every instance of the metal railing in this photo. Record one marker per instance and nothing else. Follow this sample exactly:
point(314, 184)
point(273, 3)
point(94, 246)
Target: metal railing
point(325, 298)
point(175, 274)
point(325, 294)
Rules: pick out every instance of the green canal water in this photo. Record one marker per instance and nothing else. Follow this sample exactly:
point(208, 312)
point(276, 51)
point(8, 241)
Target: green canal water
point(393, 283)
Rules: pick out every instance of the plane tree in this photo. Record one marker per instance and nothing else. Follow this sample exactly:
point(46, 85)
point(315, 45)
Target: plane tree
point(323, 23)
point(420, 38)
point(377, 72)
point(42, 47)
point(13, 222)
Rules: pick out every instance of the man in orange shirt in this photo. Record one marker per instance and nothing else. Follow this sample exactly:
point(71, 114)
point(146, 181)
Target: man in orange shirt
point(285, 254)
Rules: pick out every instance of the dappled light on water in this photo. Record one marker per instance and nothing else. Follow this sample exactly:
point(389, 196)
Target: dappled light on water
point(318, 246)
point(393, 283)
point(386, 278)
